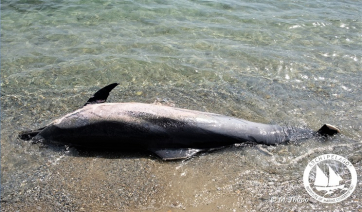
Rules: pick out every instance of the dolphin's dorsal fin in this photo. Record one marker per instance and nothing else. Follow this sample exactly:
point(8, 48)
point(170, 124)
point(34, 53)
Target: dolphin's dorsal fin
point(101, 95)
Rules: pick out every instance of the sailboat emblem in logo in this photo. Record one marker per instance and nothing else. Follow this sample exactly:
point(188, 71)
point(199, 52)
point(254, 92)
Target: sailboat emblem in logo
point(331, 186)
point(328, 184)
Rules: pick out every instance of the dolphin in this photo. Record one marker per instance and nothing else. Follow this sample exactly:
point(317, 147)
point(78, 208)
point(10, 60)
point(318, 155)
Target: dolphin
point(169, 132)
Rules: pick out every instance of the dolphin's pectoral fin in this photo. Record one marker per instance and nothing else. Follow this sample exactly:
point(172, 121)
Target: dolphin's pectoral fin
point(101, 95)
point(175, 154)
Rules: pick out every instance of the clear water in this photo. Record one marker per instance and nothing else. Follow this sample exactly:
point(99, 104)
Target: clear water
point(282, 62)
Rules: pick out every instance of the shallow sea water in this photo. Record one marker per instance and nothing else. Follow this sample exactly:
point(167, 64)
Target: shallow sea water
point(290, 63)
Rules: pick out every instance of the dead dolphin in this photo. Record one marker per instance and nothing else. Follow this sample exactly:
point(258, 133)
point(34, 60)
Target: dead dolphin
point(169, 132)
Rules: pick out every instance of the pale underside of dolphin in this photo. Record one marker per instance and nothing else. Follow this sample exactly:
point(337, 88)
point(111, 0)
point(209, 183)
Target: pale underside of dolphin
point(169, 132)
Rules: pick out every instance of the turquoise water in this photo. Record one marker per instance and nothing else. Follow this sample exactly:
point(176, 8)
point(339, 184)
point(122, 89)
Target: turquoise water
point(294, 63)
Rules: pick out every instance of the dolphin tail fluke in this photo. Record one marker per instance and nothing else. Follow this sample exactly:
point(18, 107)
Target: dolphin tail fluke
point(29, 134)
point(328, 130)
point(101, 95)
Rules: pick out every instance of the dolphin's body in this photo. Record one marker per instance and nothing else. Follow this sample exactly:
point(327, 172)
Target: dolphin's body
point(169, 132)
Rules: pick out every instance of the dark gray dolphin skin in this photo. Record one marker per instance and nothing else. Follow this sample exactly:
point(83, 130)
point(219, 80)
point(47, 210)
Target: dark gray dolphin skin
point(169, 132)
